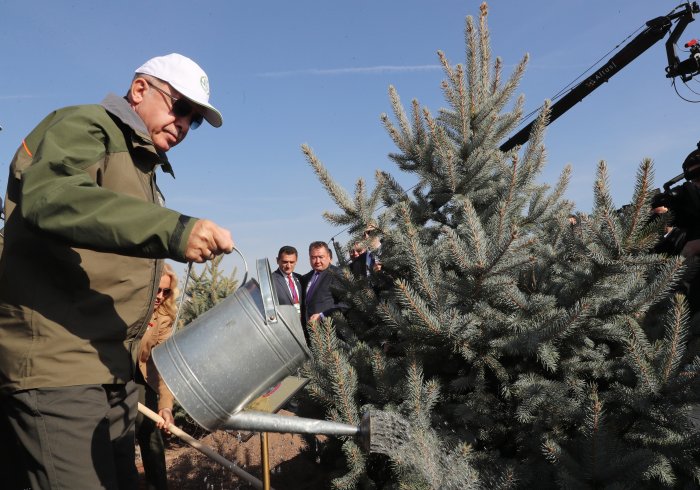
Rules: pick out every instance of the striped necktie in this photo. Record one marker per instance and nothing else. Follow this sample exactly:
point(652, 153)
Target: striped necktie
point(295, 297)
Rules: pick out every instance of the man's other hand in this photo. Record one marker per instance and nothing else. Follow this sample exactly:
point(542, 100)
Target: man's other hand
point(206, 241)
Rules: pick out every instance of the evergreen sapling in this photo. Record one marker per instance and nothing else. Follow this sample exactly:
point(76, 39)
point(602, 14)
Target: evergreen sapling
point(512, 348)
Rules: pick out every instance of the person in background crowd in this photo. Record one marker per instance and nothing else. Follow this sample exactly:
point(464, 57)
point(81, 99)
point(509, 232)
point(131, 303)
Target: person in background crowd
point(85, 232)
point(356, 250)
point(367, 261)
point(358, 255)
point(321, 300)
point(287, 282)
point(684, 238)
point(153, 393)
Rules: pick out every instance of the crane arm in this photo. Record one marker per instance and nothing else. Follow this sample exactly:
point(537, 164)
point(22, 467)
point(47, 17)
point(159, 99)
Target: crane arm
point(654, 31)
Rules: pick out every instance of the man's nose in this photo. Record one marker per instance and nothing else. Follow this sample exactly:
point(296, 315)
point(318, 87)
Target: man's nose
point(183, 125)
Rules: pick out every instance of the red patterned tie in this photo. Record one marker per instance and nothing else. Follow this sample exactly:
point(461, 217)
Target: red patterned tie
point(295, 298)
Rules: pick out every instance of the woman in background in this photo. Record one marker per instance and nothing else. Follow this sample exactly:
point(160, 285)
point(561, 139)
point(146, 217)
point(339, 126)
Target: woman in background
point(153, 393)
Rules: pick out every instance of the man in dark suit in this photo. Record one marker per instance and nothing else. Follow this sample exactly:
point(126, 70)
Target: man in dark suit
point(356, 266)
point(364, 260)
point(320, 299)
point(287, 282)
point(364, 264)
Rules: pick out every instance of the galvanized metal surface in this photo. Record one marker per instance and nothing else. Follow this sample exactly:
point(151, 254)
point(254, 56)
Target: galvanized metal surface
point(267, 422)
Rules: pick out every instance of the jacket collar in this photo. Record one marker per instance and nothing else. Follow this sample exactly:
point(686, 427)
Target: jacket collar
point(121, 109)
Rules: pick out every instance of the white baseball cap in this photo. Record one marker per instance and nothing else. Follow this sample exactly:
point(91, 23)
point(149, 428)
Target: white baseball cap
point(187, 77)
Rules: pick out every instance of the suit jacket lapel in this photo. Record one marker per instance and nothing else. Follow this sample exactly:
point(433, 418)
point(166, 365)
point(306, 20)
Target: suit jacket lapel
point(283, 278)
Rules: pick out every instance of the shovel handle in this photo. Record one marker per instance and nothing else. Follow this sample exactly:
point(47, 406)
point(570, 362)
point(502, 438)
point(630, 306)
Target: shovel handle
point(203, 448)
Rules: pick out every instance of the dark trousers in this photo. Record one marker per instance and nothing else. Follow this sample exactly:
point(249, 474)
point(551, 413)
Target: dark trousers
point(150, 440)
point(76, 437)
point(14, 476)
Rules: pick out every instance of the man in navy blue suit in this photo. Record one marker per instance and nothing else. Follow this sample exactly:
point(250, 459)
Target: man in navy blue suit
point(321, 299)
point(287, 282)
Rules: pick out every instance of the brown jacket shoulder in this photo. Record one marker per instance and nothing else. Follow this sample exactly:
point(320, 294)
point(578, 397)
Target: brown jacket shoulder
point(158, 331)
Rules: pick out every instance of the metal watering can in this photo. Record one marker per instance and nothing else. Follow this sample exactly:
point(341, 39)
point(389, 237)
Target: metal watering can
point(231, 354)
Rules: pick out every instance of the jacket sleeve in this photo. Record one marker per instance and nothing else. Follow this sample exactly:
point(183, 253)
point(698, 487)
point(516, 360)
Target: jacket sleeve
point(334, 288)
point(60, 197)
point(165, 397)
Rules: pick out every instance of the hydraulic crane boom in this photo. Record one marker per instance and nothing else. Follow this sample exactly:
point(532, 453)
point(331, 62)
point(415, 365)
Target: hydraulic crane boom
point(654, 31)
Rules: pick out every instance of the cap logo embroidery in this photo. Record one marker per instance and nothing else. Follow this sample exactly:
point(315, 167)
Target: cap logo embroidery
point(204, 82)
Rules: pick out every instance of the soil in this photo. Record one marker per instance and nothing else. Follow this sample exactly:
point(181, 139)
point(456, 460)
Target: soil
point(295, 461)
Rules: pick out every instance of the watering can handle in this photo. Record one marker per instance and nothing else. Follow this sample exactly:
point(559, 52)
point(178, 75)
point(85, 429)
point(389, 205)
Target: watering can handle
point(267, 290)
point(187, 277)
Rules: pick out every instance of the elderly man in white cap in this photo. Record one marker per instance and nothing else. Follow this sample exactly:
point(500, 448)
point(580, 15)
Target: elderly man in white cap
point(86, 233)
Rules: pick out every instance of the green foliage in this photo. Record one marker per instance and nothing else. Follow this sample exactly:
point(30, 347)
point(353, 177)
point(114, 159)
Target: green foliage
point(206, 289)
point(512, 348)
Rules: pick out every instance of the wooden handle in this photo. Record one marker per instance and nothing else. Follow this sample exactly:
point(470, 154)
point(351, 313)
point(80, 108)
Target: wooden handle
point(203, 448)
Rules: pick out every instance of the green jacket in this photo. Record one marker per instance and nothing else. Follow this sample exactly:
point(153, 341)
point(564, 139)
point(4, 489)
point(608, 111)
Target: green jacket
point(84, 230)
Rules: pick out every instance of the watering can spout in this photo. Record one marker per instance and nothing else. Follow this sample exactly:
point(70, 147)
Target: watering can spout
point(267, 422)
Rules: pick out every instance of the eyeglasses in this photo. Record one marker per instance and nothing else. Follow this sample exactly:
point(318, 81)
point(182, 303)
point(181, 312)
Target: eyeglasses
point(165, 291)
point(181, 107)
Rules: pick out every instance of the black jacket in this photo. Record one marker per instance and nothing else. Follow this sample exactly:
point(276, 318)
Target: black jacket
point(324, 297)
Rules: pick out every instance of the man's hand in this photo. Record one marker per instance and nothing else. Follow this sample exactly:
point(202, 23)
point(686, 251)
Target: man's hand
point(315, 317)
point(206, 241)
point(167, 414)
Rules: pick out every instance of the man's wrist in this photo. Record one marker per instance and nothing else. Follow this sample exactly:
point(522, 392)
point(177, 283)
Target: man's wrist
point(180, 237)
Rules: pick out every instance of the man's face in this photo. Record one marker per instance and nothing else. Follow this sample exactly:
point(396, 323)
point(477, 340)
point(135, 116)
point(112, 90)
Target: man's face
point(155, 109)
point(287, 262)
point(320, 259)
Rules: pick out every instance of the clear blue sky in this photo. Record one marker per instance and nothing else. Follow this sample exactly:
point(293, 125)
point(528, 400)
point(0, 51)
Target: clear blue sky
point(286, 73)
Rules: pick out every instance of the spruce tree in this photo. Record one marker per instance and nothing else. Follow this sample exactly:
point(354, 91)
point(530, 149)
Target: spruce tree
point(508, 347)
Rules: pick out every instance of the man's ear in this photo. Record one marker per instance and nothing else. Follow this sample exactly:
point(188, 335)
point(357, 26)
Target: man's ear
point(137, 90)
